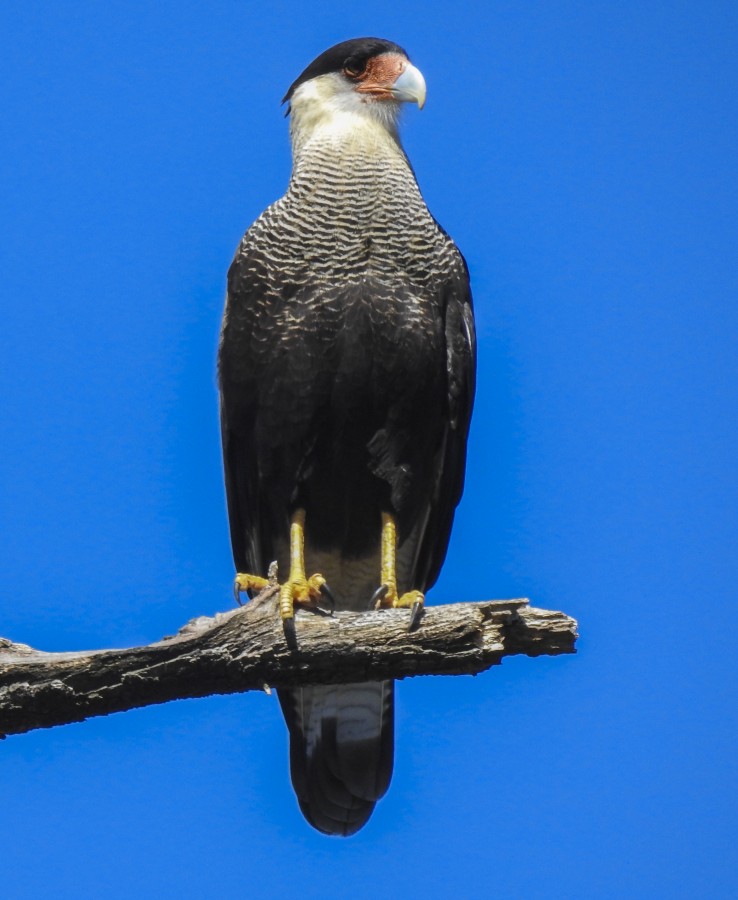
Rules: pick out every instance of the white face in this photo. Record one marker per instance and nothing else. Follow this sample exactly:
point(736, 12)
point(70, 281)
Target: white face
point(351, 98)
point(335, 95)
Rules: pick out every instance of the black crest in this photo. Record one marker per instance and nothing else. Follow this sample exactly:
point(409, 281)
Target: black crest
point(352, 55)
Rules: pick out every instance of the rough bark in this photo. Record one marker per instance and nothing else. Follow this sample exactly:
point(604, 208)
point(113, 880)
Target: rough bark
point(247, 649)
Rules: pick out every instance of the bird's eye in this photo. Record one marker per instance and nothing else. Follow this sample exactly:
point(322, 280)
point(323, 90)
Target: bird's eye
point(353, 70)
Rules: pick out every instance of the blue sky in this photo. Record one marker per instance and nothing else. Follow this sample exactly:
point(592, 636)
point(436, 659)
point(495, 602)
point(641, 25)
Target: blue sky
point(583, 156)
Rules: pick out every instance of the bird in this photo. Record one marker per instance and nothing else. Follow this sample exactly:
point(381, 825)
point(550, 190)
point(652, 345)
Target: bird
point(346, 370)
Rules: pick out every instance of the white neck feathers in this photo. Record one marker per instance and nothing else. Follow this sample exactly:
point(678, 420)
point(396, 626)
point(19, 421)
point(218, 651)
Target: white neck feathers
point(325, 113)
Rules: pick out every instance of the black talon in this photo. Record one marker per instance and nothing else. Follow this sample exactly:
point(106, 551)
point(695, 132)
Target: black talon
point(379, 595)
point(328, 594)
point(237, 592)
point(290, 635)
point(416, 614)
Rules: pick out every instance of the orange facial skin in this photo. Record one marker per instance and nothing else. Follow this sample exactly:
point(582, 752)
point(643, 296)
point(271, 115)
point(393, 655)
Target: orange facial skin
point(380, 74)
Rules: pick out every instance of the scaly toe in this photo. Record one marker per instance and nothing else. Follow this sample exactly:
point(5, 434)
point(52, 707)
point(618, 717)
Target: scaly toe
point(244, 582)
point(409, 600)
point(318, 590)
point(306, 593)
point(414, 600)
point(386, 598)
point(315, 585)
point(287, 598)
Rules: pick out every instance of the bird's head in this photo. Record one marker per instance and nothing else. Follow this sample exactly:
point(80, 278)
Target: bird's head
point(365, 78)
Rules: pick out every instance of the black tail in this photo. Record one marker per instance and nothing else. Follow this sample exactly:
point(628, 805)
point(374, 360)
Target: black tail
point(341, 750)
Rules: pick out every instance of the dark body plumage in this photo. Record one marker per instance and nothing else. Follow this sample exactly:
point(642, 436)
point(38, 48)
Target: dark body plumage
point(346, 373)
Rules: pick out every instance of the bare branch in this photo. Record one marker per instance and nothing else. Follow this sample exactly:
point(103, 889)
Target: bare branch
point(246, 649)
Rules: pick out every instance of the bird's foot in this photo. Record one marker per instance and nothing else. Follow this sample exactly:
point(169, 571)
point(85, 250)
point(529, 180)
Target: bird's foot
point(305, 592)
point(249, 584)
point(385, 597)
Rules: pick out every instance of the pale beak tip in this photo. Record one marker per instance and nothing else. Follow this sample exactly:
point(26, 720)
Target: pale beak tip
point(410, 86)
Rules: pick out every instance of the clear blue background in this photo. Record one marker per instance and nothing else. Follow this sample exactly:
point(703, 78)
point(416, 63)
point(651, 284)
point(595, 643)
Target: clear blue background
point(583, 155)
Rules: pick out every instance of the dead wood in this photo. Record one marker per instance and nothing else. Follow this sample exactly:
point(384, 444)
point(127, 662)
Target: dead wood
point(246, 649)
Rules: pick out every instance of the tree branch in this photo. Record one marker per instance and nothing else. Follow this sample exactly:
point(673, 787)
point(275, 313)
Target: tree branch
point(246, 649)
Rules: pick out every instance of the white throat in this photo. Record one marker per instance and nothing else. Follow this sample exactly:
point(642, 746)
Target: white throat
point(327, 111)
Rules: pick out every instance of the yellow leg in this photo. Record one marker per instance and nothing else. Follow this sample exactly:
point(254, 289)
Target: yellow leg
point(299, 588)
point(387, 594)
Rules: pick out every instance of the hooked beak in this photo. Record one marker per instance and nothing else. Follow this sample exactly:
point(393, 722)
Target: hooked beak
point(410, 86)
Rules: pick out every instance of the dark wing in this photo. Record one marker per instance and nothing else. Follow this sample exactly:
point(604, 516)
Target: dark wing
point(241, 491)
point(239, 386)
point(461, 360)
